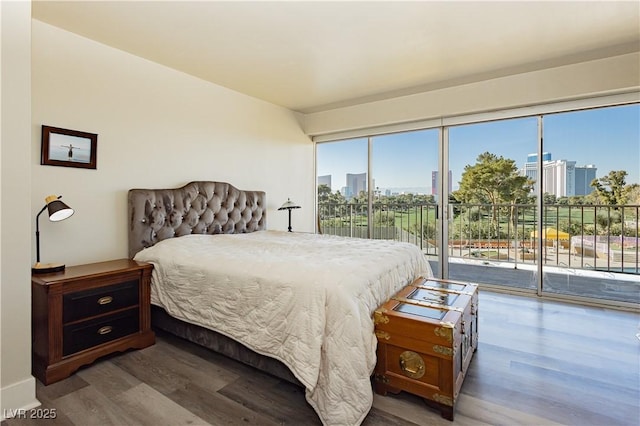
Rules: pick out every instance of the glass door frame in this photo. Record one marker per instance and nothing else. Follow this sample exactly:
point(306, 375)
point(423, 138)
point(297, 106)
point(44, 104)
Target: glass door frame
point(444, 208)
point(540, 208)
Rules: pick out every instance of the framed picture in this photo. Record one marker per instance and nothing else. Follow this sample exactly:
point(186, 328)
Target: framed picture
point(68, 148)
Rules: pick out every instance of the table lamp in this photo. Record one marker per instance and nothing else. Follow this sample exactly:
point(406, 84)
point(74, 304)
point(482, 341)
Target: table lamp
point(57, 211)
point(289, 205)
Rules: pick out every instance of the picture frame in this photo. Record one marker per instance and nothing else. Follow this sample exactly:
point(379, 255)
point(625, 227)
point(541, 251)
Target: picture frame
point(68, 148)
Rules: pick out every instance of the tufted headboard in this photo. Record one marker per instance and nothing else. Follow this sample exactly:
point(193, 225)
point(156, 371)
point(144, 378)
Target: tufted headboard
point(196, 208)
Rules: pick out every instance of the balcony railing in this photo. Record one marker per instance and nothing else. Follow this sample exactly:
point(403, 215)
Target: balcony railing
point(596, 237)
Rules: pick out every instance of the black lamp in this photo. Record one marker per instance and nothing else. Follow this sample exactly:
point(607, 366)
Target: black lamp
point(57, 211)
point(289, 205)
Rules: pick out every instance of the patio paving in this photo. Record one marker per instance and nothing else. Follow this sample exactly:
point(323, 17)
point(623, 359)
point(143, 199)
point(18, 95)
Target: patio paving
point(599, 285)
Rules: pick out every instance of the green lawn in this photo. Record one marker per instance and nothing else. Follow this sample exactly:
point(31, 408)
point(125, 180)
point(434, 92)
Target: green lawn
point(559, 217)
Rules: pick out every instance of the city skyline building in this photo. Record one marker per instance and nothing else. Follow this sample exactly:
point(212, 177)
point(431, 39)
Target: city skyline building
point(530, 169)
point(356, 182)
point(533, 158)
point(584, 176)
point(561, 178)
point(434, 182)
point(324, 180)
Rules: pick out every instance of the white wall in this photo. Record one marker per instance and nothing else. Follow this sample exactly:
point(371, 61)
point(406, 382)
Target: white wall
point(157, 128)
point(617, 74)
point(17, 386)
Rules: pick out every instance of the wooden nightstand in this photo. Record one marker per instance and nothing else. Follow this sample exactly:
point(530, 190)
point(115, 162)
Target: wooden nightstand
point(86, 312)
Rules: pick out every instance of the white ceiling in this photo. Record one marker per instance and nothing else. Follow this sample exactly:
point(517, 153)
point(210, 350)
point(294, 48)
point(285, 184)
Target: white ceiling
point(313, 56)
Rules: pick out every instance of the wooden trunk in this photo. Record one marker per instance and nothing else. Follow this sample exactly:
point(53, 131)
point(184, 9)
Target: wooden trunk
point(427, 334)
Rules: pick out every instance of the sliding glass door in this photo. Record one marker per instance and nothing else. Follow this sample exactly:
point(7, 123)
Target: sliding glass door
point(493, 203)
point(591, 183)
point(342, 173)
point(404, 168)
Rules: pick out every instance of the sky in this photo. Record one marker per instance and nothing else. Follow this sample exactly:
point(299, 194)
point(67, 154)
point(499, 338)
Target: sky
point(608, 138)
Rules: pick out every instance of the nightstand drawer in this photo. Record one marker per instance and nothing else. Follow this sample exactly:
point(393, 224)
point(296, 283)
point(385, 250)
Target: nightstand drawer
point(87, 334)
point(88, 303)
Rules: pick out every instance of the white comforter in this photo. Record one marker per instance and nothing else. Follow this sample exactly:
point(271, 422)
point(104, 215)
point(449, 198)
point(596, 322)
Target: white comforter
point(304, 299)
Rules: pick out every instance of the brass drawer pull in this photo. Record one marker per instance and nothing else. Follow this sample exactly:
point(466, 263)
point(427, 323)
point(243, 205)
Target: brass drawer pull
point(412, 364)
point(105, 330)
point(105, 300)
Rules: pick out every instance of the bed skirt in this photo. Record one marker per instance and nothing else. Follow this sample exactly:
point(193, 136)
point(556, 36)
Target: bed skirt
point(219, 343)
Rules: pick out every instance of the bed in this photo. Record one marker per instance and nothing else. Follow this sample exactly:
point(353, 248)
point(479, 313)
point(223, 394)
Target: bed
point(296, 305)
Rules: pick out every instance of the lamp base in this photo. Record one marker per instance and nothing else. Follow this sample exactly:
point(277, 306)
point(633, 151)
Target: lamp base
point(47, 268)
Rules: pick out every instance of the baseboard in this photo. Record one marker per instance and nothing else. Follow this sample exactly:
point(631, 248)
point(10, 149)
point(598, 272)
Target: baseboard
point(17, 398)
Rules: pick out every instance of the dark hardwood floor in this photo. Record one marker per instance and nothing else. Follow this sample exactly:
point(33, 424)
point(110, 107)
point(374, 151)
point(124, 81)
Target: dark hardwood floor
point(538, 363)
